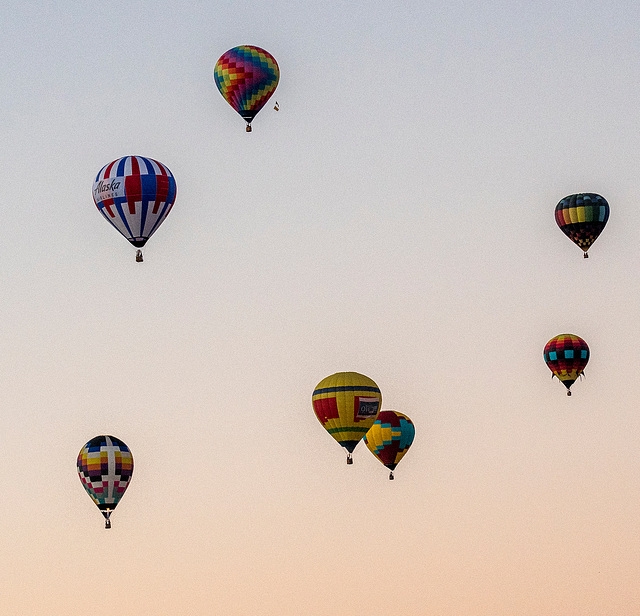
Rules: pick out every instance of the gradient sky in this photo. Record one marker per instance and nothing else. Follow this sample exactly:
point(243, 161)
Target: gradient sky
point(394, 218)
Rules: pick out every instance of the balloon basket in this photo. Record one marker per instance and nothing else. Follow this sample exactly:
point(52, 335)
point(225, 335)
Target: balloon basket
point(349, 459)
point(568, 393)
point(248, 129)
point(391, 476)
point(586, 255)
point(139, 258)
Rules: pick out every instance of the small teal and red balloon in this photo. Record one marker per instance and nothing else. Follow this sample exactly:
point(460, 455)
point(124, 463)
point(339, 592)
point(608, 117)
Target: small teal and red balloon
point(582, 217)
point(566, 355)
point(247, 77)
point(390, 437)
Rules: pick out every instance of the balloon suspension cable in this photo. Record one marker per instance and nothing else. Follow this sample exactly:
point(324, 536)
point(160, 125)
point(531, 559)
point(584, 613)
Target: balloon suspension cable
point(349, 459)
point(107, 522)
point(391, 476)
point(139, 258)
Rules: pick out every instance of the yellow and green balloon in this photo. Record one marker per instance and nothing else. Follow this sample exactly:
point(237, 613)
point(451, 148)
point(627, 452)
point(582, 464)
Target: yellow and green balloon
point(347, 404)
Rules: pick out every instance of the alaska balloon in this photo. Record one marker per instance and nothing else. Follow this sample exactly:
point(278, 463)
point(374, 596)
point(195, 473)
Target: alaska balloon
point(247, 76)
point(582, 217)
point(347, 404)
point(105, 468)
point(135, 195)
point(389, 438)
point(566, 355)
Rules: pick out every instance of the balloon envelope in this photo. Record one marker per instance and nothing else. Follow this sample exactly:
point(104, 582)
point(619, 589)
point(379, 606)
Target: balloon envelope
point(390, 437)
point(582, 217)
point(105, 468)
point(135, 194)
point(347, 404)
point(566, 355)
point(246, 76)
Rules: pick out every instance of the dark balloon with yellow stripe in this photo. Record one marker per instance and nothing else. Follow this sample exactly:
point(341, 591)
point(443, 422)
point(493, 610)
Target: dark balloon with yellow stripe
point(347, 404)
point(582, 217)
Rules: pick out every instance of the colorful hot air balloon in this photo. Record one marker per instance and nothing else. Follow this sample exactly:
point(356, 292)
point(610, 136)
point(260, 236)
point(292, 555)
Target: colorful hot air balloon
point(105, 467)
point(566, 355)
point(582, 218)
point(389, 438)
point(247, 76)
point(347, 404)
point(135, 194)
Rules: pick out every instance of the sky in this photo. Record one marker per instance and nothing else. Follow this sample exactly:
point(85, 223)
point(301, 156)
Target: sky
point(394, 218)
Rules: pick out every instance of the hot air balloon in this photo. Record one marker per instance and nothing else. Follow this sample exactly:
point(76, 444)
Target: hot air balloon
point(105, 467)
point(566, 355)
point(247, 76)
point(135, 194)
point(347, 404)
point(389, 438)
point(582, 218)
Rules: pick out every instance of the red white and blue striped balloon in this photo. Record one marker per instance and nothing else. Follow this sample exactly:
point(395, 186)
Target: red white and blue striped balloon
point(135, 194)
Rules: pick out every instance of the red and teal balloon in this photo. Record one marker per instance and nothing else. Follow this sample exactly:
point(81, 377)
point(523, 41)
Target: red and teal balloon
point(582, 217)
point(390, 437)
point(566, 355)
point(247, 77)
